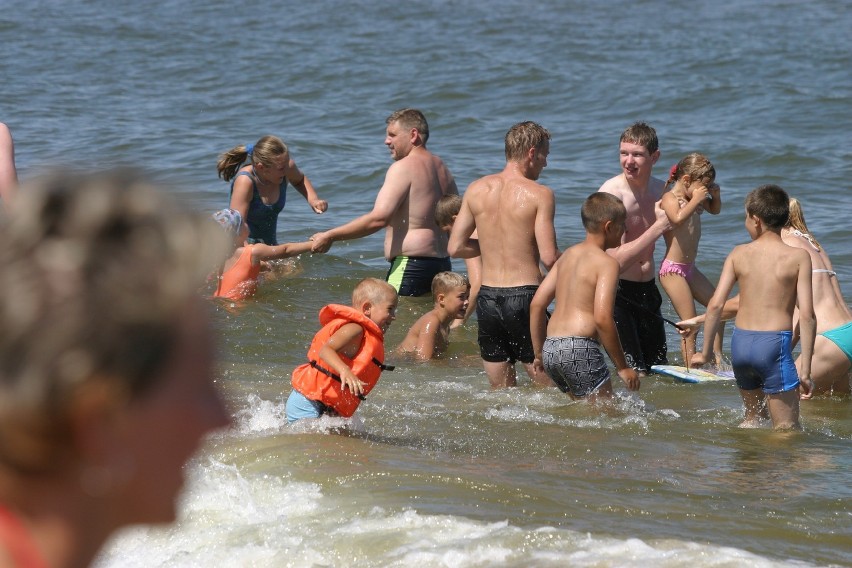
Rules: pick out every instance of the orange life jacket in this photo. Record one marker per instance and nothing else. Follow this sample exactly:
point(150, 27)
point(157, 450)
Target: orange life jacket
point(316, 380)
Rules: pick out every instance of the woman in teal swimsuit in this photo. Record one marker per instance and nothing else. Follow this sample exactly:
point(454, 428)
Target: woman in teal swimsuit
point(258, 190)
point(832, 358)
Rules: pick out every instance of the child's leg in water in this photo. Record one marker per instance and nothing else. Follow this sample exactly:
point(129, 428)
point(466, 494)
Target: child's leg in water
point(702, 290)
point(680, 294)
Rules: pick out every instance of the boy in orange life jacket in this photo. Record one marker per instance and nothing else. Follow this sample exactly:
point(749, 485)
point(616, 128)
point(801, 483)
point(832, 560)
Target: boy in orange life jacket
point(346, 356)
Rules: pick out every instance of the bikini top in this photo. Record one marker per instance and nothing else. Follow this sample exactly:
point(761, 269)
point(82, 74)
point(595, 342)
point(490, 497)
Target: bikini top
point(806, 236)
point(824, 271)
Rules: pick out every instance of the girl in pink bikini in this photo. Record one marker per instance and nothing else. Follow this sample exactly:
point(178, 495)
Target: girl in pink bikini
point(693, 191)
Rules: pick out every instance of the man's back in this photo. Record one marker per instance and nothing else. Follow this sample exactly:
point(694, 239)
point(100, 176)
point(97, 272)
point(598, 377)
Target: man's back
point(513, 216)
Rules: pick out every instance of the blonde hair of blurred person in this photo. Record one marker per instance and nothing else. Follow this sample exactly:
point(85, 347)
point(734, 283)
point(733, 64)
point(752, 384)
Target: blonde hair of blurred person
point(106, 362)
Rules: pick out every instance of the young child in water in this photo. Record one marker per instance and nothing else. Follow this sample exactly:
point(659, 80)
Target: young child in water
point(584, 282)
point(238, 279)
point(430, 335)
point(774, 279)
point(693, 191)
point(346, 356)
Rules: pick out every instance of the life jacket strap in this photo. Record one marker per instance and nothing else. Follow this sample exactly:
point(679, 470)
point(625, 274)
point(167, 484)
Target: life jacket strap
point(331, 374)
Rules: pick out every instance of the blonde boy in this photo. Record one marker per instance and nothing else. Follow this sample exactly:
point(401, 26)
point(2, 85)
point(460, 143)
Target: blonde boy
point(346, 356)
point(773, 279)
point(430, 335)
point(584, 282)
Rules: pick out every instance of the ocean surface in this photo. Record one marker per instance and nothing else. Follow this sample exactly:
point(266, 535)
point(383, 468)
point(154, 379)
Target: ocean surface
point(439, 470)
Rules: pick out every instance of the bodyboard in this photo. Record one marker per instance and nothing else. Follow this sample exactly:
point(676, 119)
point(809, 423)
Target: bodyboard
point(693, 375)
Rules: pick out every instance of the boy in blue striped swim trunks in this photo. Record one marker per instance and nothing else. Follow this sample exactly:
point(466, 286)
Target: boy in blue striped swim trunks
point(584, 282)
point(774, 279)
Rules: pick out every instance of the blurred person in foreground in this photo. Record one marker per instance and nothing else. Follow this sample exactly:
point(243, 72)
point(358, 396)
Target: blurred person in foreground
point(106, 362)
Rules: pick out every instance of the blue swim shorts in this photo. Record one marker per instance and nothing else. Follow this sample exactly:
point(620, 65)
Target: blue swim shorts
point(764, 359)
point(299, 406)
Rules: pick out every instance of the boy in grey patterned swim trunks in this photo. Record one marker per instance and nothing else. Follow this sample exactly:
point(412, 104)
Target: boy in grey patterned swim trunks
point(584, 282)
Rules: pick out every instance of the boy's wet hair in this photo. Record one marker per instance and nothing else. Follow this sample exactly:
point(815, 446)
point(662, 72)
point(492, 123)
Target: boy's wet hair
point(523, 136)
point(770, 204)
point(371, 290)
point(642, 134)
point(443, 282)
point(447, 208)
point(410, 118)
point(599, 208)
point(694, 165)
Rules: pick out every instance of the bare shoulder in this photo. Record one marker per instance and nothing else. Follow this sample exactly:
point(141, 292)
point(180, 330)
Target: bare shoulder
point(615, 185)
point(656, 187)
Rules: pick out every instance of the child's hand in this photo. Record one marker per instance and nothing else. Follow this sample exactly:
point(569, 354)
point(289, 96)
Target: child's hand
point(630, 378)
point(538, 366)
point(321, 243)
point(353, 383)
point(701, 193)
point(319, 205)
point(688, 327)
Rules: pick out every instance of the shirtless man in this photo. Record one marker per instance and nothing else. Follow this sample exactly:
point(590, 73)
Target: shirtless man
point(414, 244)
point(513, 216)
point(637, 306)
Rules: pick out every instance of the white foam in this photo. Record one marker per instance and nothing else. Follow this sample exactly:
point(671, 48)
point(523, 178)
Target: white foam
point(234, 519)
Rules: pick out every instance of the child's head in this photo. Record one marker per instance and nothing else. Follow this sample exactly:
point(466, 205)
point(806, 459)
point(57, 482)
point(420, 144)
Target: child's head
point(770, 204)
point(696, 168)
point(446, 211)
point(230, 220)
point(601, 208)
point(452, 290)
point(641, 134)
point(377, 300)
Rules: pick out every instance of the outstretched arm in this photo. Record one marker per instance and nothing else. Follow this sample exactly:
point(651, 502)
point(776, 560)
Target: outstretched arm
point(638, 249)
point(391, 195)
point(260, 251)
point(712, 317)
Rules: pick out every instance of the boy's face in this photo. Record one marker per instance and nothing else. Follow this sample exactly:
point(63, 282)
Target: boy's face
point(456, 300)
point(383, 311)
point(636, 161)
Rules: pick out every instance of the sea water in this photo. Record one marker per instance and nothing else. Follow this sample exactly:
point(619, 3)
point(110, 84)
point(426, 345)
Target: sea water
point(438, 470)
